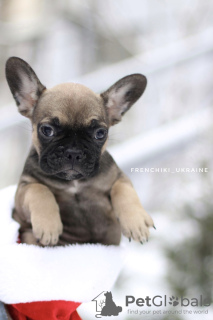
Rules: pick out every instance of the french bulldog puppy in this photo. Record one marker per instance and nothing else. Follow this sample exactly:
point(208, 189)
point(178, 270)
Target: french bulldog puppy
point(71, 190)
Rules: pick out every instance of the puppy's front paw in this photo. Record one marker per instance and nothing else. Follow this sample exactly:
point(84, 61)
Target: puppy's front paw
point(47, 231)
point(136, 225)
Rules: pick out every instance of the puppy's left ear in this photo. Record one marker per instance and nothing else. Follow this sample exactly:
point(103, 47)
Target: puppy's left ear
point(122, 95)
point(24, 85)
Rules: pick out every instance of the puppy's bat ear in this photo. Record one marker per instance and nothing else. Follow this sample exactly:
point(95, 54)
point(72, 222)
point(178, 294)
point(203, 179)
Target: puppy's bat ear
point(24, 85)
point(121, 96)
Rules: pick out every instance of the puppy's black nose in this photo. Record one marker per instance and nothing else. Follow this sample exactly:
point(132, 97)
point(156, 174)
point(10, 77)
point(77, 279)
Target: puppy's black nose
point(73, 155)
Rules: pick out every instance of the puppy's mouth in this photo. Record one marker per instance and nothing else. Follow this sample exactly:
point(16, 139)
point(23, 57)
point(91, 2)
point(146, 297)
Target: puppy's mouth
point(68, 169)
point(69, 174)
point(66, 173)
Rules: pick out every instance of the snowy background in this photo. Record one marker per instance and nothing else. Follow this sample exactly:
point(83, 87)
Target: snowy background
point(96, 43)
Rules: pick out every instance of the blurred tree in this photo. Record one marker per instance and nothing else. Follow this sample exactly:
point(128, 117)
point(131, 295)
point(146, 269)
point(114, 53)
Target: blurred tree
point(191, 262)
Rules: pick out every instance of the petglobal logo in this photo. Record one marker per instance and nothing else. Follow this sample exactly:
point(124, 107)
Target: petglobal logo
point(106, 306)
point(164, 301)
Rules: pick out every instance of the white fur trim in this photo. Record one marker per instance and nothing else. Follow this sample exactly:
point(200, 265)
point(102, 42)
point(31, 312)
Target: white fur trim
point(30, 273)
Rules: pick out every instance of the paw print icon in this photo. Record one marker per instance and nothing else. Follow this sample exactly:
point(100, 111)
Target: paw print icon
point(173, 301)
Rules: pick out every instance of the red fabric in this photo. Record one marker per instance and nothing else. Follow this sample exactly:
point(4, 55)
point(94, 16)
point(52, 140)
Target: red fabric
point(44, 310)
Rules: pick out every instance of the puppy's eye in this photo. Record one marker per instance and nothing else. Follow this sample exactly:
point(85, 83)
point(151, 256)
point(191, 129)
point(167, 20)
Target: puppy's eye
point(100, 134)
point(47, 130)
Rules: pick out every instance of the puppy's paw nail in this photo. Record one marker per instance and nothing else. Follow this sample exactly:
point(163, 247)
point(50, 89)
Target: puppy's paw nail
point(129, 239)
point(141, 242)
point(154, 227)
point(55, 241)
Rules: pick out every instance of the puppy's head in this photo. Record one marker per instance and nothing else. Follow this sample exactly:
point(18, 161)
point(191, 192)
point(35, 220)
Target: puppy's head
point(70, 122)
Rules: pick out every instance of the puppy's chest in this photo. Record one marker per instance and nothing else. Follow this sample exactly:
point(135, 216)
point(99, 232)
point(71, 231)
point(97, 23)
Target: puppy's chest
point(81, 203)
point(75, 188)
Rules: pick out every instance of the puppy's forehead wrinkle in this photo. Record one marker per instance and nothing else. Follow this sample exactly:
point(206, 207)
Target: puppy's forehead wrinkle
point(71, 103)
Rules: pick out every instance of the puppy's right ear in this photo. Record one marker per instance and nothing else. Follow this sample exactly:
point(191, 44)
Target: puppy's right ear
point(24, 85)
